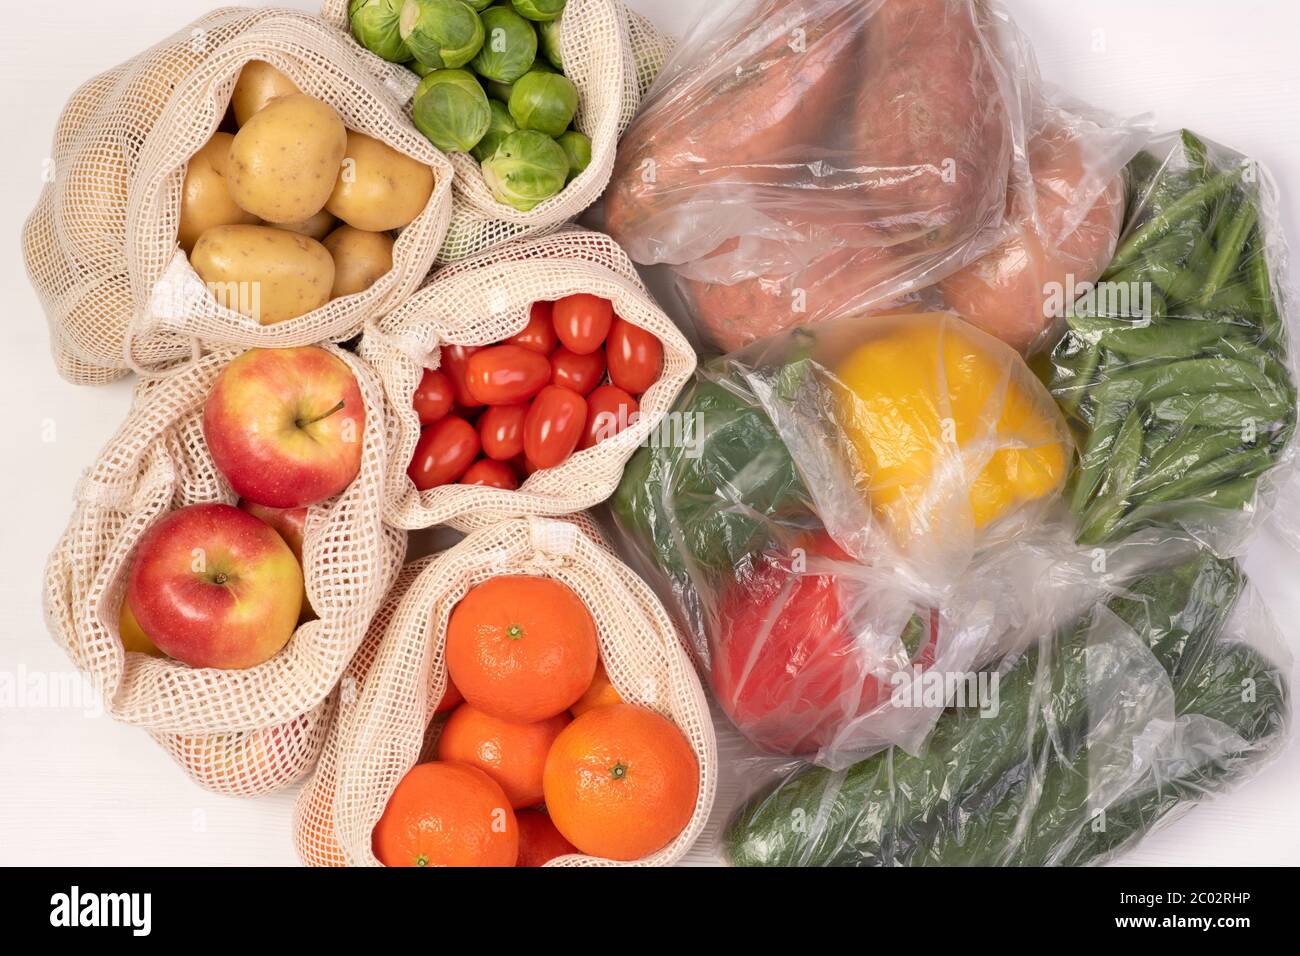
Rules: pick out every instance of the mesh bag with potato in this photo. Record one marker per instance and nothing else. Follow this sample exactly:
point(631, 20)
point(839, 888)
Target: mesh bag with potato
point(101, 246)
point(485, 300)
point(611, 55)
point(236, 725)
point(384, 728)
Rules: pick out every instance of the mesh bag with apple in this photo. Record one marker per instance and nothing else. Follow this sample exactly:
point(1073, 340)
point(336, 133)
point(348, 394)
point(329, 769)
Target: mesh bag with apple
point(611, 54)
point(222, 630)
point(477, 303)
point(391, 710)
point(106, 248)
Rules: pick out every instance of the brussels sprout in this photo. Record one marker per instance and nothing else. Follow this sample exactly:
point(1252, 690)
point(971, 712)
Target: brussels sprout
point(498, 91)
point(538, 9)
point(509, 46)
point(480, 5)
point(374, 24)
point(527, 168)
point(548, 35)
point(418, 68)
point(443, 34)
point(577, 147)
point(544, 101)
point(502, 125)
point(451, 109)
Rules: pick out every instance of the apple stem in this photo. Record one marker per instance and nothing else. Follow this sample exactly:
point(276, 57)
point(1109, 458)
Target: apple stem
point(303, 423)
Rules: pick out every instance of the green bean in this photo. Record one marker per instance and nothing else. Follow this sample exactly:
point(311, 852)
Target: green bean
point(1125, 461)
point(1160, 225)
point(1189, 376)
point(1194, 152)
point(1222, 409)
point(1228, 254)
point(1261, 287)
point(1248, 464)
point(1171, 339)
point(1193, 447)
point(1114, 403)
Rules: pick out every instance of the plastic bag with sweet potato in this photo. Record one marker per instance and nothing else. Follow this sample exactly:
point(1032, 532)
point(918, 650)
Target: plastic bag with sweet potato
point(801, 160)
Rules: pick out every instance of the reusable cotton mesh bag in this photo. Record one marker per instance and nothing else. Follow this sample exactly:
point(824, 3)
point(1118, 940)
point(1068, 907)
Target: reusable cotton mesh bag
point(101, 244)
point(482, 301)
point(158, 461)
point(253, 762)
point(378, 738)
point(612, 55)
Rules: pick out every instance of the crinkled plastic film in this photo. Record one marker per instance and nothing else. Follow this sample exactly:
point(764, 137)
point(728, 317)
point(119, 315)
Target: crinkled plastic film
point(1170, 690)
point(802, 160)
point(837, 516)
point(1176, 370)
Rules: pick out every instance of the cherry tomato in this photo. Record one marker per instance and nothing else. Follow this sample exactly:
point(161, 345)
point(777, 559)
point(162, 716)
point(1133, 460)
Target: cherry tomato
point(493, 474)
point(636, 357)
point(609, 411)
point(433, 397)
point(506, 374)
point(553, 426)
point(577, 373)
point(539, 334)
point(454, 360)
point(445, 449)
point(582, 321)
point(501, 429)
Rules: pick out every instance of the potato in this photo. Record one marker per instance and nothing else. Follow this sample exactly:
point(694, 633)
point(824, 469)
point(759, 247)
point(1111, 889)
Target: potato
point(317, 227)
point(259, 83)
point(379, 188)
point(205, 198)
point(264, 273)
point(360, 258)
point(285, 159)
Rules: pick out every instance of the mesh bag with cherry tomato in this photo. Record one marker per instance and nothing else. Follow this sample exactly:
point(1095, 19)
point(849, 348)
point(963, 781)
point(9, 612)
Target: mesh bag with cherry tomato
point(223, 630)
point(520, 382)
point(118, 170)
point(396, 707)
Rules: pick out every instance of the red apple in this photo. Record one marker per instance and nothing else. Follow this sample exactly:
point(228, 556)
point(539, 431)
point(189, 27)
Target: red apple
point(291, 525)
point(285, 425)
point(213, 586)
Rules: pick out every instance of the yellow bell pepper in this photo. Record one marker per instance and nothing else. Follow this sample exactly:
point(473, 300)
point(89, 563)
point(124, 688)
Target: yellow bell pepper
point(948, 426)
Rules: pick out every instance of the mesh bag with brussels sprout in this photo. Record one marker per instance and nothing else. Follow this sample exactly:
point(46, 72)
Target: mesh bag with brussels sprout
point(492, 85)
point(245, 182)
point(528, 98)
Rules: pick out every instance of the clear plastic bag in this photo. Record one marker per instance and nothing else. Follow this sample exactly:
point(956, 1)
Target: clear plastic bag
point(1065, 210)
point(837, 510)
point(1172, 689)
point(802, 160)
point(1176, 369)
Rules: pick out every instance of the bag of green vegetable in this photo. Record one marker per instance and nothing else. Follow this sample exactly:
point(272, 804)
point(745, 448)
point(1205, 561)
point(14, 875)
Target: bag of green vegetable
point(106, 246)
point(1172, 689)
point(832, 513)
point(527, 97)
point(484, 301)
point(1177, 371)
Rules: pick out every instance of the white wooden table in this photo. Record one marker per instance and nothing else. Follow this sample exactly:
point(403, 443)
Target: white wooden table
point(82, 789)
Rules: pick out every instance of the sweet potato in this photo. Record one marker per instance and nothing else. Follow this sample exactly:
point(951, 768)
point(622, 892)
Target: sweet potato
point(798, 181)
